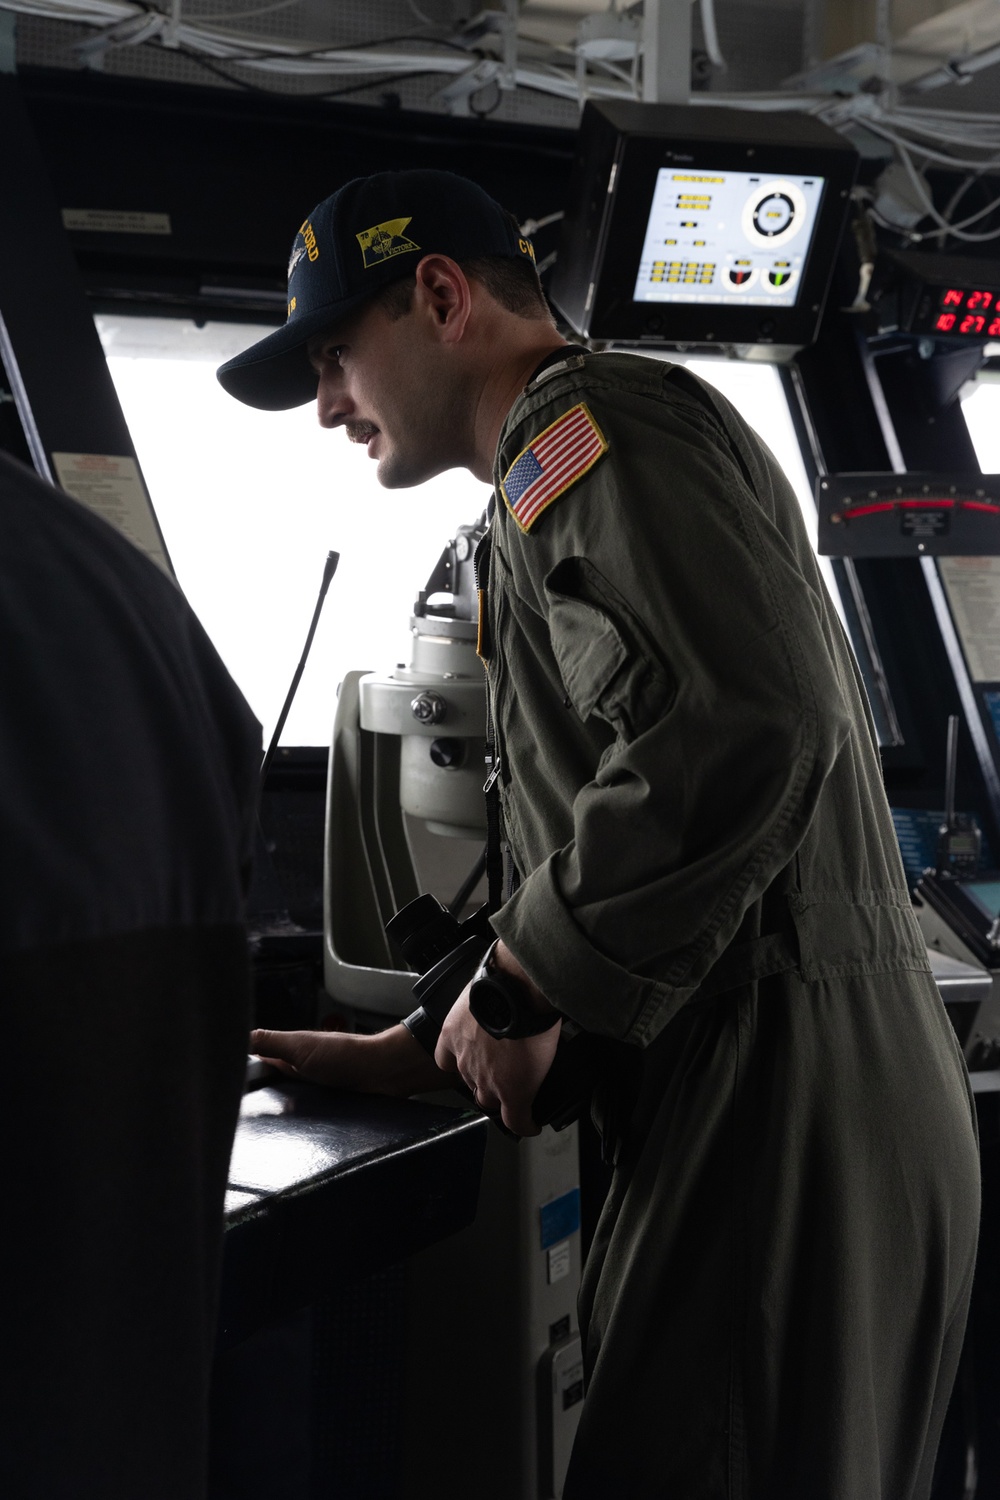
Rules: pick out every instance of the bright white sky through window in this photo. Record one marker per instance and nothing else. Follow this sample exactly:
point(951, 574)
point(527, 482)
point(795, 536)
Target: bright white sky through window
point(981, 409)
point(251, 502)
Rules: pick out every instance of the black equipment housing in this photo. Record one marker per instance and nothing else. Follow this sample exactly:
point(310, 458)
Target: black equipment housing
point(622, 145)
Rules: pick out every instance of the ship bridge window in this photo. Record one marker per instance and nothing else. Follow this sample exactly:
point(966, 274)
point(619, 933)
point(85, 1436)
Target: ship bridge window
point(251, 502)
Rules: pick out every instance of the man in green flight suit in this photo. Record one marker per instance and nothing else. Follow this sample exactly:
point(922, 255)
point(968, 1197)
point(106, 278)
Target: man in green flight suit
point(775, 1299)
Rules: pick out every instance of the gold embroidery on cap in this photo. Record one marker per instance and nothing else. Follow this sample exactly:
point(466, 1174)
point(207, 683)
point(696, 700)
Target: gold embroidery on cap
point(309, 236)
point(384, 241)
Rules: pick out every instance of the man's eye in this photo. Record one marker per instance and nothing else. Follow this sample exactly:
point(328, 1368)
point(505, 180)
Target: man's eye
point(326, 354)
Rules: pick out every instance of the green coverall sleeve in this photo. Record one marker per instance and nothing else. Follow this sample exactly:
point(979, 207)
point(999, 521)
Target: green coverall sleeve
point(683, 608)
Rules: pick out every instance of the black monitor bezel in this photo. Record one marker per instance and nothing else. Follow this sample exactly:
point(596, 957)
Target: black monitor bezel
point(614, 314)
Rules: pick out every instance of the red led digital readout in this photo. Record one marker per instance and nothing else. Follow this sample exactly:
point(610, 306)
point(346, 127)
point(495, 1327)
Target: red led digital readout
point(974, 312)
point(972, 323)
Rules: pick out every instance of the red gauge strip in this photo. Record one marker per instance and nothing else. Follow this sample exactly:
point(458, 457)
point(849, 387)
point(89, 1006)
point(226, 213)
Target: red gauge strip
point(853, 512)
point(868, 510)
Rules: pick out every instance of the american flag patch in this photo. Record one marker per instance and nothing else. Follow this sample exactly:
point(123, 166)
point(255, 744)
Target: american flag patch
point(556, 459)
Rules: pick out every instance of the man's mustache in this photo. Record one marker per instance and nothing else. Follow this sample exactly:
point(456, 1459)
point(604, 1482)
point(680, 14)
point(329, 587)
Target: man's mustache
point(360, 432)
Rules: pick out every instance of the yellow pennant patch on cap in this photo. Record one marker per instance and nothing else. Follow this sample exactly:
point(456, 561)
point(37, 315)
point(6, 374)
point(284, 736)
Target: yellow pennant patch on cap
point(383, 241)
point(551, 464)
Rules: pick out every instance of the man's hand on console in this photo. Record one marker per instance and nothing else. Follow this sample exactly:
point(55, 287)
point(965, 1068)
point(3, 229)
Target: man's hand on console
point(389, 1063)
point(504, 1075)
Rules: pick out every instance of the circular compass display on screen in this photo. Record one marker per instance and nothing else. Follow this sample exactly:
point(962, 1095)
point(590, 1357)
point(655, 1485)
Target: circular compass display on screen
point(774, 213)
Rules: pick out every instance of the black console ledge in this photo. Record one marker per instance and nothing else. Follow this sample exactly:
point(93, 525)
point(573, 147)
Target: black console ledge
point(327, 1186)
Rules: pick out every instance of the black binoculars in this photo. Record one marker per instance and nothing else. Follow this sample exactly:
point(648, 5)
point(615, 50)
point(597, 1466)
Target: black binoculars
point(446, 954)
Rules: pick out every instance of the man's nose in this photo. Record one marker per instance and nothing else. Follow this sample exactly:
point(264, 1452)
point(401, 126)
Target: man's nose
point(333, 406)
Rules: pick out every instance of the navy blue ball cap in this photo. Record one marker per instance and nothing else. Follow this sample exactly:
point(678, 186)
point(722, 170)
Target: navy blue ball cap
point(372, 231)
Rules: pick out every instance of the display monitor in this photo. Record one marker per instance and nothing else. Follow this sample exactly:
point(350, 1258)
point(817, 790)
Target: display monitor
point(697, 225)
point(727, 237)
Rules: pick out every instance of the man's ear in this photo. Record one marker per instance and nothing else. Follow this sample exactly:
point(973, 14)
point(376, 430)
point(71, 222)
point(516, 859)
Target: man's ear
point(443, 292)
